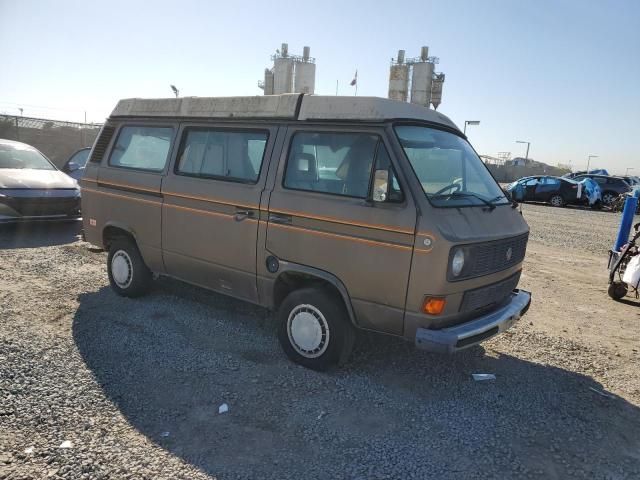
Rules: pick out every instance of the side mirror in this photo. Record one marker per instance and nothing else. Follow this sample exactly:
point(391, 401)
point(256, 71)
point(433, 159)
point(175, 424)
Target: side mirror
point(380, 191)
point(72, 167)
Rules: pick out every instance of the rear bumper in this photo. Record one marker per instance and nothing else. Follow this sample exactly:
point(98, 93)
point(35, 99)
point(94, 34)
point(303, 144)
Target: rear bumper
point(458, 337)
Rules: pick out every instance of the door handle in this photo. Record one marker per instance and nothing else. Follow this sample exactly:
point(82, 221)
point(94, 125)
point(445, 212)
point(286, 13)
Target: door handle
point(279, 218)
point(242, 213)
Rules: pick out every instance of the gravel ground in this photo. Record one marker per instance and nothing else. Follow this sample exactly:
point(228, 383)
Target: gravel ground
point(135, 385)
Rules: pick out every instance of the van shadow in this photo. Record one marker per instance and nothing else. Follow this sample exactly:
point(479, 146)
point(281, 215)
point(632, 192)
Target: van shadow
point(39, 234)
point(169, 360)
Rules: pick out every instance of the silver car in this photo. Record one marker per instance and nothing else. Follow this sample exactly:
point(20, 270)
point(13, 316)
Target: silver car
point(32, 188)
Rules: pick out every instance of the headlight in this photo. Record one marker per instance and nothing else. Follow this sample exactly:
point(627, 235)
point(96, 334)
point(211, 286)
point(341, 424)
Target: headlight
point(457, 262)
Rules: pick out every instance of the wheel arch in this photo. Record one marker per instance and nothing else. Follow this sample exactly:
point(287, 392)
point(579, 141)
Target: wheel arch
point(294, 276)
point(113, 230)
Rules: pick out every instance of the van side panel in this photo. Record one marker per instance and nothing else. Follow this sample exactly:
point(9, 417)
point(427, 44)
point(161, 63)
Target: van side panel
point(135, 204)
point(210, 224)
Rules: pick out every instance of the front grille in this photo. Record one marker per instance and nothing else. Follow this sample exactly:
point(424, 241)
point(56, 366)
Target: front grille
point(31, 207)
point(491, 257)
point(489, 296)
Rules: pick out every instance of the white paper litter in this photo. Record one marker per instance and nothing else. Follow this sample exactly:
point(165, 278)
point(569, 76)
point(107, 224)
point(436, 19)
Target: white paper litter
point(224, 408)
point(479, 377)
point(28, 450)
point(66, 444)
point(164, 434)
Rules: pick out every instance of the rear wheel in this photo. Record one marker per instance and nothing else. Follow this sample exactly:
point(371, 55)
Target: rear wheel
point(557, 201)
point(617, 290)
point(128, 274)
point(314, 329)
point(609, 197)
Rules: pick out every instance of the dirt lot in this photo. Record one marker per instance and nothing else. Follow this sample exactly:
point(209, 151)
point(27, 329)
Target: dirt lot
point(135, 385)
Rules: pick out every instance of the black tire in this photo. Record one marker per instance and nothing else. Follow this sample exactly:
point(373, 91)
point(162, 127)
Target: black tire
point(124, 253)
point(556, 200)
point(609, 197)
point(332, 328)
point(617, 290)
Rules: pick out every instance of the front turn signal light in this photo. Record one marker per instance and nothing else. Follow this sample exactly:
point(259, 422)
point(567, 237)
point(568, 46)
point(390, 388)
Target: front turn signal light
point(433, 305)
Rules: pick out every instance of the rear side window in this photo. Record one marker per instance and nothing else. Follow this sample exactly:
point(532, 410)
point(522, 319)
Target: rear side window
point(336, 163)
point(142, 148)
point(550, 182)
point(222, 154)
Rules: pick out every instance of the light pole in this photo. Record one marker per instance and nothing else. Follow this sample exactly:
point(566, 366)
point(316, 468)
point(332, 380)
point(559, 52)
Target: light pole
point(526, 157)
point(470, 122)
point(589, 161)
point(175, 90)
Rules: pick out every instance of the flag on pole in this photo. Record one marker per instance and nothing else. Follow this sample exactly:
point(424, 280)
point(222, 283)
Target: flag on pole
point(354, 82)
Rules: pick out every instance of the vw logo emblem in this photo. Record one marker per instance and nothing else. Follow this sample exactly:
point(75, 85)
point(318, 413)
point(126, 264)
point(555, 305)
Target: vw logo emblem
point(509, 253)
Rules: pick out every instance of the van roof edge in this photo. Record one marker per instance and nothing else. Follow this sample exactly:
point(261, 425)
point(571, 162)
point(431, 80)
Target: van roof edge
point(290, 106)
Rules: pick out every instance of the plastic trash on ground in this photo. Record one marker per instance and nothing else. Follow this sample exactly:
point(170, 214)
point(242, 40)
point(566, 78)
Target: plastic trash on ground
point(164, 434)
point(66, 444)
point(481, 377)
point(224, 408)
point(632, 272)
point(29, 450)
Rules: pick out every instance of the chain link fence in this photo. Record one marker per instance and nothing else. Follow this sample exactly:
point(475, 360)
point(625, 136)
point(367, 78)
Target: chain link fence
point(57, 139)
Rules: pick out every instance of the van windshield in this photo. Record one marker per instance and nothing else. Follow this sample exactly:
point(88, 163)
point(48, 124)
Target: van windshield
point(450, 172)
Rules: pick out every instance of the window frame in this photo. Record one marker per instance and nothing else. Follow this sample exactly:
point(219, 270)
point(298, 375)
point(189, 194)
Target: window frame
point(184, 131)
point(321, 130)
point(114, 142)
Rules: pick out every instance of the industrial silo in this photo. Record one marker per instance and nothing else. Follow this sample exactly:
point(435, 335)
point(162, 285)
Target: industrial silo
point(399, 79)
point(283, 72)
point(304, 73)
point(436, 90)
point(421, 79)
point(268, 81)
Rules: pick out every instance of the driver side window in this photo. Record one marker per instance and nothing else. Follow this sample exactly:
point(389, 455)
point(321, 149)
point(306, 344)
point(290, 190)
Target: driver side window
point(341, 164)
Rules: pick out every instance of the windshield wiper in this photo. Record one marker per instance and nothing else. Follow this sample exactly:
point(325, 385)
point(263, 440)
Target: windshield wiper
point(488, 203)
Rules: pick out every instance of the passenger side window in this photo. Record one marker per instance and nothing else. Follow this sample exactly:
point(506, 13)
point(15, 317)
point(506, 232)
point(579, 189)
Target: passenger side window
point(335, 163)
point(222, 154)
point(143, 148)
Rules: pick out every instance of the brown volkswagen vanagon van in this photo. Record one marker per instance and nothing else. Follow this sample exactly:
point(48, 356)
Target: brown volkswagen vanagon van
point(338, 213)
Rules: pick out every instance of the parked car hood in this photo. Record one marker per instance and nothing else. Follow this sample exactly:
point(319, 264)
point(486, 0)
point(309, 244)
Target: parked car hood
point(32, 178)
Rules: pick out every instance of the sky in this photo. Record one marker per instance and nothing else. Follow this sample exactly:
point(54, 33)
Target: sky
point(561, 74)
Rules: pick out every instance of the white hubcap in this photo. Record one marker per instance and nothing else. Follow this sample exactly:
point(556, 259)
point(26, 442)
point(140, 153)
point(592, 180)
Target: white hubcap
point(121, 269)
point(308, 331)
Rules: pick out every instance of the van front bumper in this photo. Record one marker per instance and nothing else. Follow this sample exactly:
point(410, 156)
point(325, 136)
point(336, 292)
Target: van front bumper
point(458, 337)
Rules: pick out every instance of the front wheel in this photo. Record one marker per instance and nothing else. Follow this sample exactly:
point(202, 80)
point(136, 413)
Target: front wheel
point(128, 274)
point(314, 329)
point(617, 290)
point(557, 201)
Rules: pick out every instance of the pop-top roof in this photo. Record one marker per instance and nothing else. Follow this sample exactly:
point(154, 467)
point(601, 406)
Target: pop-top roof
point(312, 107)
